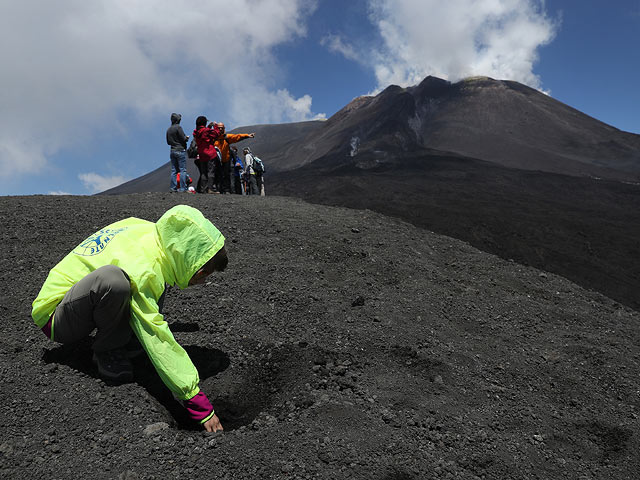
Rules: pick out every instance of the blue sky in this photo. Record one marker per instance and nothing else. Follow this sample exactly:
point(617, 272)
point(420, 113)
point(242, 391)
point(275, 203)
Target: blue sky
point(88, 87)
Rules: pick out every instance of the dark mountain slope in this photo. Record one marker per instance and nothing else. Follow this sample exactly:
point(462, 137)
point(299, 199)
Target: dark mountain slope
point(501, 122)
point(583, 229)
point(513, 125)
point(274, 141)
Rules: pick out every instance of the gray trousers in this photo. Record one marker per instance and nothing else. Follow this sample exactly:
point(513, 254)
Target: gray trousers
point(101, 301)
point(252, 185)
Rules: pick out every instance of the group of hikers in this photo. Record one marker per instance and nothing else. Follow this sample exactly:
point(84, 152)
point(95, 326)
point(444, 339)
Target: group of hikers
point(217, 160)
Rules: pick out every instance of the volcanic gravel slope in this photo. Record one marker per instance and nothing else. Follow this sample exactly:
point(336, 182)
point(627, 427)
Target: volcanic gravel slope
point(583, 229)
point(338, 344)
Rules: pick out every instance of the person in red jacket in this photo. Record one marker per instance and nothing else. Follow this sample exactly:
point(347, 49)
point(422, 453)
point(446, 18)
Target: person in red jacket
point(205, 137)
point(223, 145)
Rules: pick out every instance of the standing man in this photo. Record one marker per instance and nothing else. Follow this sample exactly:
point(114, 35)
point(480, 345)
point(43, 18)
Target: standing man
point(250, 173)
point(223, 144)
point(205, 137)
point(177, 140)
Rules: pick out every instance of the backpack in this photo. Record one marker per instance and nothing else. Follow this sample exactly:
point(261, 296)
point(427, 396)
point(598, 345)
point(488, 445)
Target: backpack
point(258, 166)
point(192, 151)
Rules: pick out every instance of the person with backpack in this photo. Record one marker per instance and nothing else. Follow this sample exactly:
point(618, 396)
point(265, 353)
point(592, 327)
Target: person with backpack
point(250, 173)
point(223, 142)
point(257, 169)
point(115, 281)
point(238, 167)
point(177, 140)
point(205, 137)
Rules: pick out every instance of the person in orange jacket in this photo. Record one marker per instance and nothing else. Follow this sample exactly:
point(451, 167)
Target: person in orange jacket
point(222, 143)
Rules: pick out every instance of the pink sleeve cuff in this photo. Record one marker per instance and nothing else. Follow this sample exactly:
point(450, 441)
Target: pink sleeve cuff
point(47, 328)
point(199, 407)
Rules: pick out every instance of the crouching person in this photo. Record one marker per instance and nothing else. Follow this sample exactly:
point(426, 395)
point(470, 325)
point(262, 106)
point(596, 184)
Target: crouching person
point(114, 281)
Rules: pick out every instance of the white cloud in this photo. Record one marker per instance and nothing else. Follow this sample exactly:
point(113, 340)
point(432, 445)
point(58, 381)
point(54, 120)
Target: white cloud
point(71, 67)
point(336, 43)
point(58, 192)
point(258, 105)
point(457, 39)
point(97, 183)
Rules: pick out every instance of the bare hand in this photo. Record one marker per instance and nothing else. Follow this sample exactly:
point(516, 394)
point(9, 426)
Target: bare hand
point(251, 135)
point(213, 424)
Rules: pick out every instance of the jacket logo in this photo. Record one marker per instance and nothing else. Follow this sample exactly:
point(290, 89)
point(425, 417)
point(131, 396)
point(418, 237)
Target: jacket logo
point(97, 242)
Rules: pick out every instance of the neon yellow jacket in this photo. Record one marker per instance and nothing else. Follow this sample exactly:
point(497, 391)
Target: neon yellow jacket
point(169, 251)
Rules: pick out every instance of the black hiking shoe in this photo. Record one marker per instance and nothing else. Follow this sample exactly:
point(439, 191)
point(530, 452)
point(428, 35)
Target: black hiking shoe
point(114, 365)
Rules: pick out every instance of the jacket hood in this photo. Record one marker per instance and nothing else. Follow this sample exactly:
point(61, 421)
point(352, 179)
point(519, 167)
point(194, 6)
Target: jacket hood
point(175, 118)
point(188, 240)
point(199, 132)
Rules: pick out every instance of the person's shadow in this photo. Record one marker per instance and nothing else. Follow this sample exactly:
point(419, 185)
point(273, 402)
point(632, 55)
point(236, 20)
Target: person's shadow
point(208, 361)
